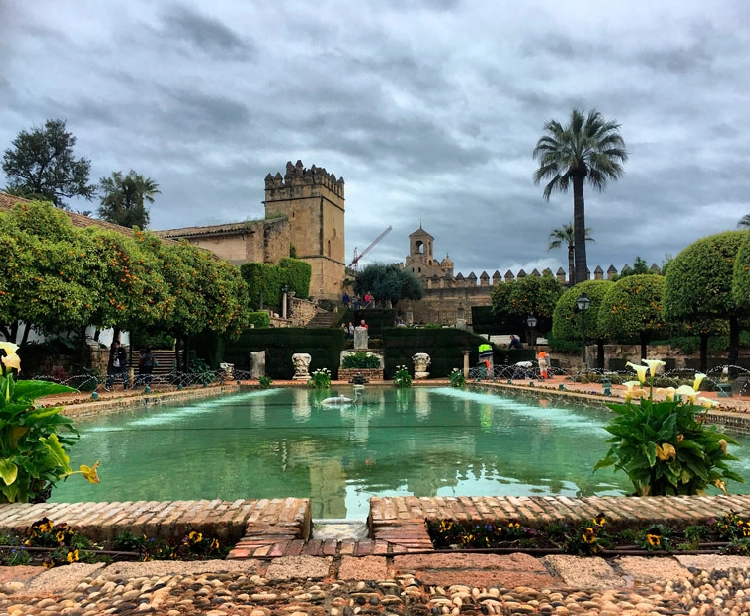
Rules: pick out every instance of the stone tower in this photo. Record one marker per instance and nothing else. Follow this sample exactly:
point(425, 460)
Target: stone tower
point(421, 260)
point(313, 202)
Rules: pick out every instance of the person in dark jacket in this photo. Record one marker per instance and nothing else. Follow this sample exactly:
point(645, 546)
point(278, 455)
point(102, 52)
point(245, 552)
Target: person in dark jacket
point(146, 364)
point(117, 364)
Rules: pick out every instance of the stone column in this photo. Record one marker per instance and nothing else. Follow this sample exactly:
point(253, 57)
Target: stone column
point(466, 364)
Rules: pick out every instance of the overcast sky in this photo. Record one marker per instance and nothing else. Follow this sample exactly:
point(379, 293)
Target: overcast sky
point(429, 110)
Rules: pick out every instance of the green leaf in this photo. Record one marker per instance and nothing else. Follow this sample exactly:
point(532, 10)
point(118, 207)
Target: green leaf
point(58, 452)
point(8, 471)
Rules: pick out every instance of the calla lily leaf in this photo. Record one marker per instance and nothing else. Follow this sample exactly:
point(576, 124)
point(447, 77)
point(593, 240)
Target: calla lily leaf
point(8, 471)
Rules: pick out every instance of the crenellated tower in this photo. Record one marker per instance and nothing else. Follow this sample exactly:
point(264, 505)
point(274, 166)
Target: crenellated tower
point(313, 202)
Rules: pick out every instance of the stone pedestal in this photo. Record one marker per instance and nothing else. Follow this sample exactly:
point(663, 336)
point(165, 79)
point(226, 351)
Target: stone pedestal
point(361, 338)
point(257, 364)
point(301, 363)
point(421, 361)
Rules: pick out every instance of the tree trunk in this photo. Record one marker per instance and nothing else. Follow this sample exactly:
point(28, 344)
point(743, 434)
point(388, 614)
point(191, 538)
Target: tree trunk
point(734, 342)
point(571, 265)
point(27, 331)
point(579, 228)
point(704, 352)
point(645, 339)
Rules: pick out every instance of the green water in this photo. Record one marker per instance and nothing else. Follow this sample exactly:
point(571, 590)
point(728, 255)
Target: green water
point(284, 443)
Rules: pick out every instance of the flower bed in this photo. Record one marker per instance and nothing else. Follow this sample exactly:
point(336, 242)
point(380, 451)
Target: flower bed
point(729, 534)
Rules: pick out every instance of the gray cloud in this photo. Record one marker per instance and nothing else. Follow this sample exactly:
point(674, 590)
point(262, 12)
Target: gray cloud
point(430, 112)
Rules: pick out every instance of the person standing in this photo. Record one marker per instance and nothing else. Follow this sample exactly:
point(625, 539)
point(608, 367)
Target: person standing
point(117, 364)
point(146, 366)
point(345, 299)
point(369, 299)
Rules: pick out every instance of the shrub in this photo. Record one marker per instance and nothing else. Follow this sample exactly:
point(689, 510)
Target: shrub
point(320, 379)
point(402, 378)
point(664, 446)
point(457, 378)
point(361, 359)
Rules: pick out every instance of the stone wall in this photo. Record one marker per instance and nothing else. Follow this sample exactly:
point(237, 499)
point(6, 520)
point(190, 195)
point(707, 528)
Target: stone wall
point(442, 305)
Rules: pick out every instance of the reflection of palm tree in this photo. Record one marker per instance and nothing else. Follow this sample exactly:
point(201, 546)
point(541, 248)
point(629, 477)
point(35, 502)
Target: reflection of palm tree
point(744, 222)
point(588, 148)
point(566, 235)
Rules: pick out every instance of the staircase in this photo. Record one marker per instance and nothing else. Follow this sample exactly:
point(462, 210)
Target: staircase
point(323, 320)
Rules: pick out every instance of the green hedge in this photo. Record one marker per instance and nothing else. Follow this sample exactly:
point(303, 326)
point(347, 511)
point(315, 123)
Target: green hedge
point(324, 345)
point(377, 319)
point(444, 346)
point(268, 279)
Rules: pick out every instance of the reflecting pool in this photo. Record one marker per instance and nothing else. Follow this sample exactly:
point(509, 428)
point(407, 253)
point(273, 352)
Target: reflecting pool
point(391, 442)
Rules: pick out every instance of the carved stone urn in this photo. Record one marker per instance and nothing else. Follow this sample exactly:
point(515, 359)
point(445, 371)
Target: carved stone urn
point(421, 361)
point(301, 363)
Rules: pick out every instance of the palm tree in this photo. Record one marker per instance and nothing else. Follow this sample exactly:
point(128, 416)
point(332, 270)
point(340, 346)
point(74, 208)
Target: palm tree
point(566, 235)
point(124, 199)
point(744, 222)
point(587, 148)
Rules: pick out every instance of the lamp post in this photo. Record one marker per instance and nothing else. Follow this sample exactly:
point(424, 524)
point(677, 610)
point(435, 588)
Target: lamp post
point(531, 322)
point(284, 291)
point(582, 303)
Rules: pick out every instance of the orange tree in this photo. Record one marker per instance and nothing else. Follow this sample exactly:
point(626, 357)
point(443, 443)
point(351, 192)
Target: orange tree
point(205, 293)
point(125, 280)
point(567, 319)
point(45, 282)
point(532, 294)
point(633, 307)
point(700, 284)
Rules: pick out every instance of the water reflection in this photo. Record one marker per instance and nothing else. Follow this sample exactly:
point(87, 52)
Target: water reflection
point(280, 443)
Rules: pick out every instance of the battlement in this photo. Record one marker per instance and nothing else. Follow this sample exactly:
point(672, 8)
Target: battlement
point(297, 175)
point(461, 281)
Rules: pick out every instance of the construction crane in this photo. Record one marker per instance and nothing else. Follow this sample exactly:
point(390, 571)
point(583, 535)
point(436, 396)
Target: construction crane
point(357, 257)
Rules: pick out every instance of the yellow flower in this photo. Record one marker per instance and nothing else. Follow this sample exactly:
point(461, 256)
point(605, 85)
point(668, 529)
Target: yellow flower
point(699, 376)
point(653, 540)
point(667, 391)
point(589, 536)
point(653, 365)
point(600, 520)
point(722, 486)
point(634, 389)
point(687, 392)
point(72, 556)
point(11, 360)
point(705, 402)
point(640, 371)
point(89, 472)
point(723, 445)
point(665, 451)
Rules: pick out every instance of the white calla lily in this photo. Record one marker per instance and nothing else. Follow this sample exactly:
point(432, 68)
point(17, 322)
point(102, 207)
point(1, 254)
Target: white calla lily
point(640, 370)
point(687, 392)
point(667, 392)
point(11, 359)
point(697, 379)
point(653, 365)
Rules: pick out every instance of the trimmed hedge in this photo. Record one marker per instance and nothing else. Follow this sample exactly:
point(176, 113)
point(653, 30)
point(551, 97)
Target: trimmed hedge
point(267, 279)
point(324, 345)
point(444, 346)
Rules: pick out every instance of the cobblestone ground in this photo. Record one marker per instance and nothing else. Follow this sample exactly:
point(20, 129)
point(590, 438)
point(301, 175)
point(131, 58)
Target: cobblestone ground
point(310, 586)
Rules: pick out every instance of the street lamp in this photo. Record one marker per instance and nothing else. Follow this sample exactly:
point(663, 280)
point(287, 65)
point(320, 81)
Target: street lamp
point(531, 322)
point(582, 303)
